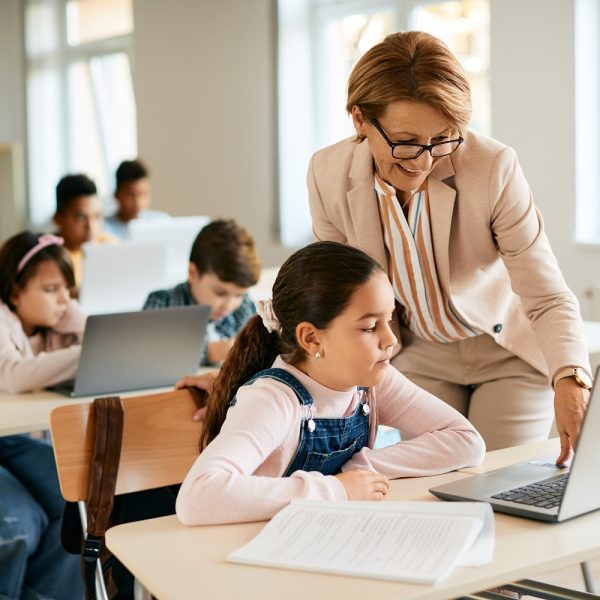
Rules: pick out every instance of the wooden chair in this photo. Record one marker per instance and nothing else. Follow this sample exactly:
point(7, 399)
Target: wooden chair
point(160, 443)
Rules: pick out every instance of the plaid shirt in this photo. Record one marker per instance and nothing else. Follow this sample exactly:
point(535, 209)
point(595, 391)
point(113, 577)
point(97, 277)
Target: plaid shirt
point(225, 328)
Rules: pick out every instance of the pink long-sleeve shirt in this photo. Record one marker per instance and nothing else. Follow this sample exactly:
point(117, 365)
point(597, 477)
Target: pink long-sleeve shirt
point(238, 477)
point(28, 363)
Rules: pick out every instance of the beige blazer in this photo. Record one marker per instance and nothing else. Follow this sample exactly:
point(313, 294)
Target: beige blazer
point(492, 256)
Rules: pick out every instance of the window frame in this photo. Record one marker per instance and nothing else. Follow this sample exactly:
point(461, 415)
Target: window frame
point(61, 58)
point(314, 15)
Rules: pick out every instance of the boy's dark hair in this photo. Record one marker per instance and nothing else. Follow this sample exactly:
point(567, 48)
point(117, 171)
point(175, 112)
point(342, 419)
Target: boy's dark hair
point(227, 250)
point(11, 253)
point(71, 187)
point(315, 284)
point(130, 170)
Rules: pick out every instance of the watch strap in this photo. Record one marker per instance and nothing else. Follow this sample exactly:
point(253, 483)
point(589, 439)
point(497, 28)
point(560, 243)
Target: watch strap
point(564, 372)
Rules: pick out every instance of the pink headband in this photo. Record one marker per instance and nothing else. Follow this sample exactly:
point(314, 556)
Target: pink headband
point(43, 242)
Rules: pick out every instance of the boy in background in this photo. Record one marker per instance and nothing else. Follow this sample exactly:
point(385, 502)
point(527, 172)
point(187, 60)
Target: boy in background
point(224, 263)
point(132, 194)
point(79, 218)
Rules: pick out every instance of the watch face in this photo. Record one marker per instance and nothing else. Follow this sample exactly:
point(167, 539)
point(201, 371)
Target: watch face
point(583, 379)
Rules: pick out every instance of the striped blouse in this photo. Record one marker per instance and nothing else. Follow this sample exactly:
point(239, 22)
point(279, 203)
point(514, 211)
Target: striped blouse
point(429, 313)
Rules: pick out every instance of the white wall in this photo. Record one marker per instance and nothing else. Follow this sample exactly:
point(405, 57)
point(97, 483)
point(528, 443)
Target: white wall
point(12, 119)
point(204, 78)
point(533, 110)
point(12, 98)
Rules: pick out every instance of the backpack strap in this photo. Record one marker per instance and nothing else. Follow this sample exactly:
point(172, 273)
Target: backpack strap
point(103, 478)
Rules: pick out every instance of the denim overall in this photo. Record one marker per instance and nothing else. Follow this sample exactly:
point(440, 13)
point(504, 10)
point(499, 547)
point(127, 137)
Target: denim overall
point(325, 444)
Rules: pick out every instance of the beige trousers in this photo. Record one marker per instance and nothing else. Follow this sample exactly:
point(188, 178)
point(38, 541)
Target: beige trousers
point(506, 399)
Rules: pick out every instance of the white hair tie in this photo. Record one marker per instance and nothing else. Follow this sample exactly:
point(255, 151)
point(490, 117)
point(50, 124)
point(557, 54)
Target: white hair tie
point(265, 311)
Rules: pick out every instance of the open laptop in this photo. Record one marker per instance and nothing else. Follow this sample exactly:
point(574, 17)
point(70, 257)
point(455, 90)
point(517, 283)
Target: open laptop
point(538, 489)
point(119, 277)
point(138, 350)
point(176, 234)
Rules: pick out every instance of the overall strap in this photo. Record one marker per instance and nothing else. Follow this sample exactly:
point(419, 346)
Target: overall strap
point(285, 377)
point(103, 479)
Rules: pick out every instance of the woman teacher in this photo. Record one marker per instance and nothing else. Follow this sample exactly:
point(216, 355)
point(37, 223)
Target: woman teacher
point(487, 321)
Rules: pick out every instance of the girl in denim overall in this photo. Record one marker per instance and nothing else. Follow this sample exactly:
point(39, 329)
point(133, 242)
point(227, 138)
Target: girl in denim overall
point(294, 410)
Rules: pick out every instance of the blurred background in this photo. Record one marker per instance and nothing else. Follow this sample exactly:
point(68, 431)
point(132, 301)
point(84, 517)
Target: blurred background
point(226, 100)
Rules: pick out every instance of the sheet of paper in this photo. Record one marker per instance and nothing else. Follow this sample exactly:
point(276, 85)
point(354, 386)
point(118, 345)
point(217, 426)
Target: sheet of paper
point(410, 541)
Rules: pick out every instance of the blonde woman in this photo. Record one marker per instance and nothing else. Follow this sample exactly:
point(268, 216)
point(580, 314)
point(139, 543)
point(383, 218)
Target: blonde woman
point(487, 321)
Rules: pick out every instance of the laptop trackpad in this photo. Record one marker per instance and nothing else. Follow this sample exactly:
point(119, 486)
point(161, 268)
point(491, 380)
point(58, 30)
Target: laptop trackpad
point(534, 470)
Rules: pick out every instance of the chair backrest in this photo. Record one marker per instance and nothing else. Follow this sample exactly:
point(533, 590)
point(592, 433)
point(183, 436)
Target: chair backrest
point(160, 443)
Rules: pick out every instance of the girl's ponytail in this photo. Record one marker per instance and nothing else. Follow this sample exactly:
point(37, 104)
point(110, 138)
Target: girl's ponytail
point(254, 349)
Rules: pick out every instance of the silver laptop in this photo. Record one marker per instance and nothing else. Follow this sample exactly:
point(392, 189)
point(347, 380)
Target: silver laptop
point(119, 277)
point(538, 489)
point(138, 350)
point(176, 234)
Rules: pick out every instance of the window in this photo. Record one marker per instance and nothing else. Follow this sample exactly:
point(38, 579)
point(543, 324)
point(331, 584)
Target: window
point(319, 43)
point(587, 121)
point(80, 102)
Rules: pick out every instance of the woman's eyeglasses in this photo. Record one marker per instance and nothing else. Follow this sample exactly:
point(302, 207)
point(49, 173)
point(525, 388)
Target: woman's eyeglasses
point(408, 150)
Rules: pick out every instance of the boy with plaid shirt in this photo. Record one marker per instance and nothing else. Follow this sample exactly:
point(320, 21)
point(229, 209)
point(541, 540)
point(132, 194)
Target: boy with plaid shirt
point(224, 263)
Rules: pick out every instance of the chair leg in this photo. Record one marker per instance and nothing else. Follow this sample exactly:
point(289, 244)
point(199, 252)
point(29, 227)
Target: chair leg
point(588, 580)
point(140, 592)
point(101, 592)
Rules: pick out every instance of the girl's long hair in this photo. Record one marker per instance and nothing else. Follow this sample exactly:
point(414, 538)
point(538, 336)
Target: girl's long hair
point(315, 284)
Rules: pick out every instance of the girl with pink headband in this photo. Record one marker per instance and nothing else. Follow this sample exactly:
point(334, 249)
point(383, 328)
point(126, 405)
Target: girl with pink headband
point(40, 335)
point(40, 326)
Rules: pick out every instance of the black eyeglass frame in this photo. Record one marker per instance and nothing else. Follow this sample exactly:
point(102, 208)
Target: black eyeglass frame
point(422, 147)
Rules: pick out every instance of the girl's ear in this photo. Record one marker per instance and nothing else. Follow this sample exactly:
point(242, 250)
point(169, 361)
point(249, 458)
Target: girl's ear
point(309, 337)
point(15, 295)
point(359, 122)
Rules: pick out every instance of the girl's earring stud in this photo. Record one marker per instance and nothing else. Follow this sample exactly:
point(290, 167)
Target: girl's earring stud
point(317, 355)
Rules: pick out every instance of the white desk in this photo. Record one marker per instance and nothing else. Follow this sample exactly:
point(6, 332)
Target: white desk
point(28, 412)
point(25, 413)
point(175, 562)
point(507, 456)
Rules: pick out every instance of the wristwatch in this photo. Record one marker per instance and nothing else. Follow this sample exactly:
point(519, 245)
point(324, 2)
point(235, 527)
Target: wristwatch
point(581, 376)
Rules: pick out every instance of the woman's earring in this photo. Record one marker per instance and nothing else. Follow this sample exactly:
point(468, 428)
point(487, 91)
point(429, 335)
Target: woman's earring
point(317, 355)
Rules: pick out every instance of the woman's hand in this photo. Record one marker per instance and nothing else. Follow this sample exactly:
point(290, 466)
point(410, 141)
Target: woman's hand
point(570, 404)
point(364, 485)
point(202, 385)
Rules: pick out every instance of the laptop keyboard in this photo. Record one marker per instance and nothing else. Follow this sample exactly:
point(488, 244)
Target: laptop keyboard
point(545, 494)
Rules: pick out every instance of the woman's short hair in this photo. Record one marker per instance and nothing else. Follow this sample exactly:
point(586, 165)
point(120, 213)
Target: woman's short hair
point(411, 65)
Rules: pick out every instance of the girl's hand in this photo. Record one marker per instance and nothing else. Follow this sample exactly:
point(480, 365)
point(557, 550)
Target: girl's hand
point(202, 382)
point(201, 385)
point(364, 485)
